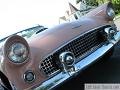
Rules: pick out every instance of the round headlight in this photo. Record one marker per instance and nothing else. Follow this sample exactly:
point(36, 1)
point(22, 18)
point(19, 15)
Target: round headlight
point(18, 53)
point(111, 13)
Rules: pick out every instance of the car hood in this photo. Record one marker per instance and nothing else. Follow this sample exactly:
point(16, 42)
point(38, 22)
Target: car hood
point(48, 41)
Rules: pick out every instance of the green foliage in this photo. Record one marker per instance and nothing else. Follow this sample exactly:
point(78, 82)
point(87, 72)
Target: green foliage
point(77, 1)
point(116, 3)
point(92, 2)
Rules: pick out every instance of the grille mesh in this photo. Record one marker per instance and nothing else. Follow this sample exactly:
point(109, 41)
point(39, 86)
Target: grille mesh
point(80, 47)
point(84, 44)
point(48, 66)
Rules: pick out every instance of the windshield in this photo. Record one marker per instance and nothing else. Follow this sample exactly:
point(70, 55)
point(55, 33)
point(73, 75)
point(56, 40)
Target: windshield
point(27, 33)
point(17, 15)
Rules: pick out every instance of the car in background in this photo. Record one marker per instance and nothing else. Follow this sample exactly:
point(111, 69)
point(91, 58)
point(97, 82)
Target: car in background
point(59, 53)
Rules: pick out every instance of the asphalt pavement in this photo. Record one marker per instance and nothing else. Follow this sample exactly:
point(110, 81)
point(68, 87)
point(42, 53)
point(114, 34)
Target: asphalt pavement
point(104, 71)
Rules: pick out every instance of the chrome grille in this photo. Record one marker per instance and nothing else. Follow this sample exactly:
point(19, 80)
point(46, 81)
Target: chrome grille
point(83, 44)
point(80, 47)
point(48, 66)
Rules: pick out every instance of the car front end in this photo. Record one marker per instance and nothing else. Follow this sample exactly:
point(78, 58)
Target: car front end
point(59, 53)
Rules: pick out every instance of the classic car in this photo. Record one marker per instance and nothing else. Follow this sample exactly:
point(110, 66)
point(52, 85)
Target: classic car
point(57, 54)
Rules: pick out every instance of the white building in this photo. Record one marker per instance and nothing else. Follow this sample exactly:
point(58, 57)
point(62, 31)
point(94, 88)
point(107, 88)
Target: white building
point(75, 13)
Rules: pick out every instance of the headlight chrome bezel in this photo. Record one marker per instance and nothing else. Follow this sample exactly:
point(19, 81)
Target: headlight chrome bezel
point(11, 41)
point(110, 11)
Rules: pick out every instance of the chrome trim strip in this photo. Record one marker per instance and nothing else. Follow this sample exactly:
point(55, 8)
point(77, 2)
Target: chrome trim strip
point(61, 77)
point(117, 36)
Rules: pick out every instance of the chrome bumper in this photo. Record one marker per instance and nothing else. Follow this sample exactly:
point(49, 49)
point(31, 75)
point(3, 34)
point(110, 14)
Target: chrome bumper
point(63, 76)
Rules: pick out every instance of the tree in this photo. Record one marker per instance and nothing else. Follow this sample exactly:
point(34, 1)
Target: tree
point(116, 3)
point(89, 2)
point(77, 1)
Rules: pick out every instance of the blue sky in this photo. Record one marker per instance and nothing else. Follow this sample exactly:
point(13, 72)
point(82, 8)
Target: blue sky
point(16, 15)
